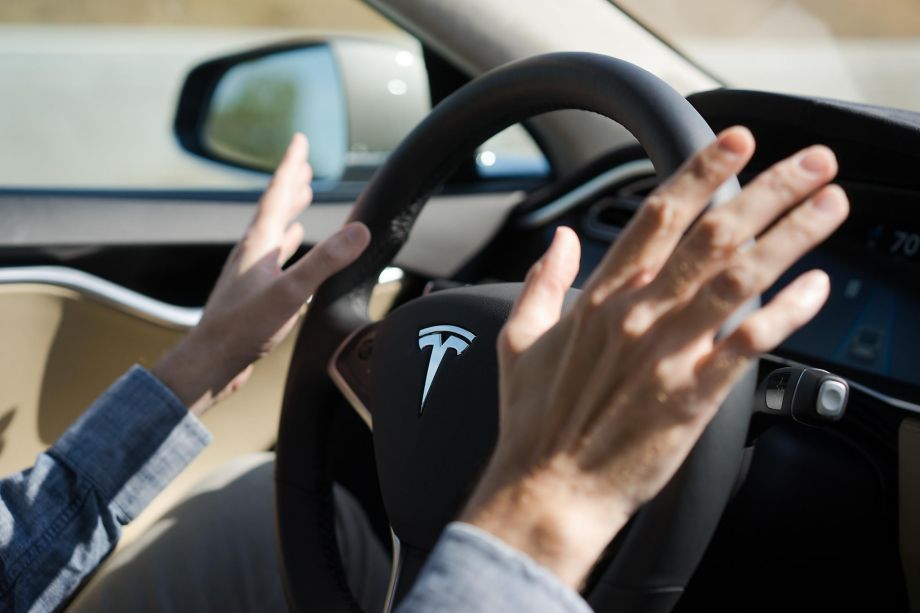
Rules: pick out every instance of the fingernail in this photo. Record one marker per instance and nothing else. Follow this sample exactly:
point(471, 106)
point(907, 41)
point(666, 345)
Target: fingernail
point(815, 161)
point(347, 240)
point(816, 281)
point(733, 141)
point(814, 287)
point(352, 233)
point(828, 201)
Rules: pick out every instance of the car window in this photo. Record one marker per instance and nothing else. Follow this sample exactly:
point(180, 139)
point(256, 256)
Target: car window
point(91, 86)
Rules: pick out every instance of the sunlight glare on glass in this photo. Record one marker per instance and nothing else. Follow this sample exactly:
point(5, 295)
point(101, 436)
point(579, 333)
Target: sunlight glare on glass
point(397, 87)
point(487, 158)
point(404, 59)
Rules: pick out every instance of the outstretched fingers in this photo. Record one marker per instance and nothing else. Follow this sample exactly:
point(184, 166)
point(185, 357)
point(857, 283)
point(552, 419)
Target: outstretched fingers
point(330, 256)
point(290, 242)
point(753, 271)
point(294, 156)
point(761, 332)
point(718, 235)
point(289, 191)
point(665, 215)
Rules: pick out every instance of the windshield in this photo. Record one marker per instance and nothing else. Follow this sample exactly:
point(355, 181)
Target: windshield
point(848, 49)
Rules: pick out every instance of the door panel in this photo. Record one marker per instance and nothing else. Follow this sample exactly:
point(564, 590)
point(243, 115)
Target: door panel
point(63, 346)
point(67, 337)
point(62, 349)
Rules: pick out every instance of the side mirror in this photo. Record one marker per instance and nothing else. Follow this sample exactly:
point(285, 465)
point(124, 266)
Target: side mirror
point(355, 98)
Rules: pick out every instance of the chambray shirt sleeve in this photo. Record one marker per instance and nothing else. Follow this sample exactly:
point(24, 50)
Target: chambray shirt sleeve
point(471, 570)
point(60, 518)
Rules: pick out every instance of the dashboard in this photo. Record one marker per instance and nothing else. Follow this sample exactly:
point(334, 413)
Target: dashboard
point(869, 331)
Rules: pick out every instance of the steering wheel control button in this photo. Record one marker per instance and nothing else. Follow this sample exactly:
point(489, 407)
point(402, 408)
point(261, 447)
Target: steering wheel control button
point(832, 399)
point(776, 391)
point(349, 370)
point(810, 395)
point(820, 398)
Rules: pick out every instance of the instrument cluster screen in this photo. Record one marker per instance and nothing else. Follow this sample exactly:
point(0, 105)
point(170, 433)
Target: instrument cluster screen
point(871, 323)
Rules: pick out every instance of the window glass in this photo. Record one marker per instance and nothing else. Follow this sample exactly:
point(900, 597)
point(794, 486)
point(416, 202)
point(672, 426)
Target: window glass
point(90, 87)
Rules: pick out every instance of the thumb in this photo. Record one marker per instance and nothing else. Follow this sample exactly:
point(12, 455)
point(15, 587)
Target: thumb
point(539, 306)
point(327, 258)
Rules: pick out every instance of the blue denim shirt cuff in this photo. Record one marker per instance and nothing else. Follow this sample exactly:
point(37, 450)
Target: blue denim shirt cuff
point(471, 569)
point(132, 442)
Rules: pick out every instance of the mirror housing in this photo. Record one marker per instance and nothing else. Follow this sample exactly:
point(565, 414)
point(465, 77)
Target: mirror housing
point(355, 98)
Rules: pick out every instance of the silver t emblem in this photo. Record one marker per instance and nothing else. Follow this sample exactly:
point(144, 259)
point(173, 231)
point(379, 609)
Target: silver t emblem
point(440, 339)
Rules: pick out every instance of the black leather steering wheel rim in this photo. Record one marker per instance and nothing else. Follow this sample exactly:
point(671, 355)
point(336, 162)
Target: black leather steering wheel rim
point(659, 554)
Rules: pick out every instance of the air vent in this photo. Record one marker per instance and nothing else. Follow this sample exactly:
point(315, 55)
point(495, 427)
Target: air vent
point(606, 218)
point(610, 181)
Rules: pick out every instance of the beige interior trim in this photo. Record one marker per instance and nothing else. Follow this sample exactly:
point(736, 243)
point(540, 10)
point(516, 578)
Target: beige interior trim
point(106, 292)
point(909, 507)
point(62, 348)
point(121, 298)
point(64, 343)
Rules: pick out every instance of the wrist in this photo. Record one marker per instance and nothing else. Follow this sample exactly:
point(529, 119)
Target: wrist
point(194, 371)
point(562, 532)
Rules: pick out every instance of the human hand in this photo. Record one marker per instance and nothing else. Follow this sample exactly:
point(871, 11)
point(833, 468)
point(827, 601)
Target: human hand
point(255, 304)
point(633, 373)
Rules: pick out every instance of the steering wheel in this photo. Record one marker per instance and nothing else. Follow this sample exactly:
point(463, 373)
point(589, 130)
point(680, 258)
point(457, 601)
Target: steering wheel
point(432, 434)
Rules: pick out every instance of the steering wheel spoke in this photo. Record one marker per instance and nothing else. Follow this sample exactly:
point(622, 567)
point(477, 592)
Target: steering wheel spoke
point(350, 371)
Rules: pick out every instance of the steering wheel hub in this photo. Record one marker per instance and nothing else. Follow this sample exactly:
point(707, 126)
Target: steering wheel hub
point(430, 447)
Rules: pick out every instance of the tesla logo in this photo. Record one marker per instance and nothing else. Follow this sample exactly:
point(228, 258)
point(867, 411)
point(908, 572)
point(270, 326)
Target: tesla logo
point(441, 339)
